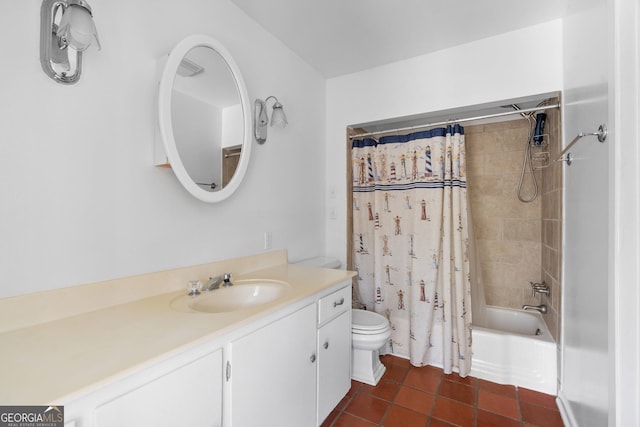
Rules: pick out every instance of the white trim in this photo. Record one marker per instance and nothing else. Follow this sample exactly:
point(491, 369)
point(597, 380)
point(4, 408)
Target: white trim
point(565, 411)
point(624, 322)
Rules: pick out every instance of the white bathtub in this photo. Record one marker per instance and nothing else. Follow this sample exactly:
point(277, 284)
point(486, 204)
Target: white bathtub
point(507, 350)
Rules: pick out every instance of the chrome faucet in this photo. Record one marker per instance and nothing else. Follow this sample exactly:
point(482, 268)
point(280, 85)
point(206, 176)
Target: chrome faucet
point(215, 282)
point(540, 288)
point(540, 308)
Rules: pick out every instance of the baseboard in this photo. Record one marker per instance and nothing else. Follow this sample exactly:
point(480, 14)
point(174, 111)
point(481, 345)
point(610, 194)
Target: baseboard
point(566, 413)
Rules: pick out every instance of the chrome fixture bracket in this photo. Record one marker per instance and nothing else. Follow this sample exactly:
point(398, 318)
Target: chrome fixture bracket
point(55, 56)
point(261, 118)
point(59, 60)
point(601, 133)
point(260, 121)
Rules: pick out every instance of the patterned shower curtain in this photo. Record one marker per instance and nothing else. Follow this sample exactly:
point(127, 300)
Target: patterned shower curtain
point(411, 240)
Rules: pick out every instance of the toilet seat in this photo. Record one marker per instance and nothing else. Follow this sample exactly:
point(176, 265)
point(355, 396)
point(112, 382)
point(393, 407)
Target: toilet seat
point(375, 334)
point(368, 322)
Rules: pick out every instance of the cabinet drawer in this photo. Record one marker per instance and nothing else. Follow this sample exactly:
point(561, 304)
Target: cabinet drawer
point(334, 304)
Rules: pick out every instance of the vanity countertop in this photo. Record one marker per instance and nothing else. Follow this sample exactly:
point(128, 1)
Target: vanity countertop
point(55, 361)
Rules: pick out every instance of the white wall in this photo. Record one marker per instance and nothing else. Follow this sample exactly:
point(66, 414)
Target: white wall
point(80, 200)
point(584, 387)
point(516, 64)
point(601, 347)
point(231, 125)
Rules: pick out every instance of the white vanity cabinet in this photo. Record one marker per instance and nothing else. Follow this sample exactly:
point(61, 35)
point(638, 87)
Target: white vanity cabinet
point(334, 350)
point(272, 374)
point(293, 371)
point(289, 368)
point(190, 395)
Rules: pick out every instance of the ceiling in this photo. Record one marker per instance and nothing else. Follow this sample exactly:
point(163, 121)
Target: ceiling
point(339, 37)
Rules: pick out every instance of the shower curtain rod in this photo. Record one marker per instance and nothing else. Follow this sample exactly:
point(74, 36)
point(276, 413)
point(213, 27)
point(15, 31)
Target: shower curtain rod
point(448, 122)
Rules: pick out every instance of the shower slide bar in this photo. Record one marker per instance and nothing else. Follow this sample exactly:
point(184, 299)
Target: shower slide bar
point(454, 121)
point(601, 133)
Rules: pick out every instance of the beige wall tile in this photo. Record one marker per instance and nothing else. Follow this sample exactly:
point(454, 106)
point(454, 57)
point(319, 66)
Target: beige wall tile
point(533, 209)
point(487, 185)
point(497, 207)
point(547, 232)
point(520, 275)
point(517, 242)
point(487, 228)
point(509, 162)
point(492, 274)
point(475, 164)
point(522, 229)
point(551, 319)
point(552, 230)
point(556, 238)
point(503, 297)
point(500, 251)
point(532, 252)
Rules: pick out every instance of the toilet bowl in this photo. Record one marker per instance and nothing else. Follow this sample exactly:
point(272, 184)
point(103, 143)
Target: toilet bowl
point(369, 333)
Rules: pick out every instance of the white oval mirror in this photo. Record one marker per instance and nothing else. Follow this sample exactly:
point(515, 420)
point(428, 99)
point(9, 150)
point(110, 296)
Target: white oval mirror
point(204, 118)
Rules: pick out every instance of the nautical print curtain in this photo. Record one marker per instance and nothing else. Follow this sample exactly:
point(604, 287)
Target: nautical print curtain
point(411, 240)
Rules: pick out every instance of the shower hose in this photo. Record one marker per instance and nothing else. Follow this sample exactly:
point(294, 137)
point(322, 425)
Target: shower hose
point(527, 166)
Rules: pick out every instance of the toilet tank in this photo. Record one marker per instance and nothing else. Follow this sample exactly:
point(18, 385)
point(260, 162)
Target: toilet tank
point(325, 262)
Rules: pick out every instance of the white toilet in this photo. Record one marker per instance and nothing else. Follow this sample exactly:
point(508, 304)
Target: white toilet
point(370, 331)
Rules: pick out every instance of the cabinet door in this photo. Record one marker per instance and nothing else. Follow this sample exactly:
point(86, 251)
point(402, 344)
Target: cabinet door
point(334, 363)
point(189, 396)
point(273, 374)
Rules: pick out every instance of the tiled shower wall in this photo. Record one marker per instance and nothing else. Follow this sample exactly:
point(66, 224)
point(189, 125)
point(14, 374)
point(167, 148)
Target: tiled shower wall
point(517, 242)
point(507, 230)
point(552, 225)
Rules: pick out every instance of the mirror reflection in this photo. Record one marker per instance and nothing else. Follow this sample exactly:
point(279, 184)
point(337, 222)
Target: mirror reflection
point(207, 118)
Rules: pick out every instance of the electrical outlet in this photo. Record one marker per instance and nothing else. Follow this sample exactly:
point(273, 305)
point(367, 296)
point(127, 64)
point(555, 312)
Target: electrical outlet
point(268, 240)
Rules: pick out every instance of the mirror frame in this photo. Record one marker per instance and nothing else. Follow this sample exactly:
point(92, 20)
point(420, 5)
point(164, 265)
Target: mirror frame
point(165, 95)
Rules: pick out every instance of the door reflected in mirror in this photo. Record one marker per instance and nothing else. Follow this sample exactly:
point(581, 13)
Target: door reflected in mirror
point(207, 117)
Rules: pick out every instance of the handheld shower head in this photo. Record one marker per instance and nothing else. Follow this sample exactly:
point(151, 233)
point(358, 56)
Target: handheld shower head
point(538, 136)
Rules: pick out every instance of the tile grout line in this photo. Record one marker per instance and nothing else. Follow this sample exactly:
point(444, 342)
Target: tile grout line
point(435, 399)
point(384, 416)
point(476, 402)
point(519, 406)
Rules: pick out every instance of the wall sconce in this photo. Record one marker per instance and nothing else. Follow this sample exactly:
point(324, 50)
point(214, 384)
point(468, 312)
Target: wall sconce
point(66, 30)
point(261, 119)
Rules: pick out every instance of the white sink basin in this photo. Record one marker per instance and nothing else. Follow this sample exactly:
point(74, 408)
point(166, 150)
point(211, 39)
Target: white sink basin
point(242, 295)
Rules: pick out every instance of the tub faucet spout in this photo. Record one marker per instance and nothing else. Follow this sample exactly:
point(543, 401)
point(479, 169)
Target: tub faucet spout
point(539, 308)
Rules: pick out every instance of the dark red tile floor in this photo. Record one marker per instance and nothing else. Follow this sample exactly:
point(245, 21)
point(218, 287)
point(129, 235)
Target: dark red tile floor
point(407, 396)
